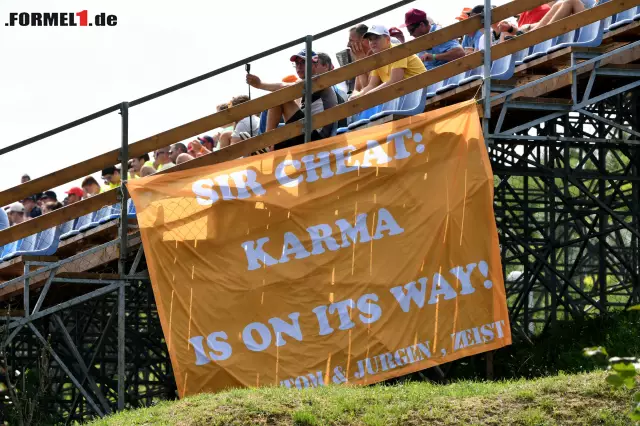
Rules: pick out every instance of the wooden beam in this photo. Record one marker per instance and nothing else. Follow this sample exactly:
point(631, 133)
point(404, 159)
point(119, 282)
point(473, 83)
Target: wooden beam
point(258, 105)
point(340, 111)
point(57, 217)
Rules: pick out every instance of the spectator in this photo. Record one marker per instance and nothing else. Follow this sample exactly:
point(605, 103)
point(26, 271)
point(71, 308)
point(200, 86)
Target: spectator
point(90, 187)
point(137, 164)
point(360, 49)
point(325, 65)
point(15, 214)
point(208, 142)
point(250, 125)
point(197, 150)
point(560, 10)
point(464, 14)
point(111, 177)
point(4, 220)
point(51, 206)
point(226, 127)
point(396, 34)
point(533, 16)
point(418, 25)
point(386, 75)
point(48, 196)
point(31, 209)
point(502, 30)
point(74, 195)
point(25, 178)
point(321, 101)
point(176, 150)
point(162, 159)
point(183, 158)
point(147, 171)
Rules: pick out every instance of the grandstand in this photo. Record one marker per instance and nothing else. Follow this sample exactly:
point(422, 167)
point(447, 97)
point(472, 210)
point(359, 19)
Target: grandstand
point(561, 112)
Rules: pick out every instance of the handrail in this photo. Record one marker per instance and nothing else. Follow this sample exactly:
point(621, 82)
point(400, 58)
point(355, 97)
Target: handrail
point(334, 114)
point(258, 105)
point(198, 79)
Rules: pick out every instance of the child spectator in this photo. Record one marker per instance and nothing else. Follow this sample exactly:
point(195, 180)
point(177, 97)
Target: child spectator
point(384, 76)
point(25, 178)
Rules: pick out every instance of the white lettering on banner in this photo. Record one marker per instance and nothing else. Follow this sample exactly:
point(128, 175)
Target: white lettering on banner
point(391, 360)
point(330, 164)
point(206, 194)
point(477, 335)
point(321, 236)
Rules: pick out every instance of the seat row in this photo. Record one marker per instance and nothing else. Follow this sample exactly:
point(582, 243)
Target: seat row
point(45, 243)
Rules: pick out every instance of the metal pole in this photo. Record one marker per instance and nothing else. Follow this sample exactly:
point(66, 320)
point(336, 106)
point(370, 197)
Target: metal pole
point(307, 90)
point(486, 87)
point(121, 343)
point(124, 174)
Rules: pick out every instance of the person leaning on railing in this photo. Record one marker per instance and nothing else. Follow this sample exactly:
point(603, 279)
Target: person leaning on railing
point(321, 101)
point(90, 186)
point(111, 178)
point(379, 40)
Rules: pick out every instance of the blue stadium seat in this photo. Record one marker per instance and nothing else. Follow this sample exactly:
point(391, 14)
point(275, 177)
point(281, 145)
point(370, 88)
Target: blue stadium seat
point(472, 75)
point(45, 244)
point(623, 18)
point(503, 68)
point(407, 105)
point(588, 36)
point(538, 51)
point(342, 130)
point(450, 83)
point(637, 14)
point(77, 224)
point(358, 123)
point(131, 209)
point(95, 219)
point(433, 88)
point(25, 245)
point(113, 213)
point(520, 55)
point(10, 248)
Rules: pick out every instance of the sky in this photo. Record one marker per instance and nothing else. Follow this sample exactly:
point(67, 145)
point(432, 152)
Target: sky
point(52, 75)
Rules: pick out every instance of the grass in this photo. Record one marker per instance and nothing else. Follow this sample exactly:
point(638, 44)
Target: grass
point(581, 399)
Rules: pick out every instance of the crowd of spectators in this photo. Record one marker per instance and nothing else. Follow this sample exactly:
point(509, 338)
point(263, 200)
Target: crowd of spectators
point(363, 41)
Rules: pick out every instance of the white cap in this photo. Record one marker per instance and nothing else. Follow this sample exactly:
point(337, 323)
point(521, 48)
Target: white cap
point(378, 30)
point(16, 208)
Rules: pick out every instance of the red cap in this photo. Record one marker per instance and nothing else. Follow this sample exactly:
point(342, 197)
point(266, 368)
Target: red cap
point(414, 16)
point(393, 32)
point(76, 191)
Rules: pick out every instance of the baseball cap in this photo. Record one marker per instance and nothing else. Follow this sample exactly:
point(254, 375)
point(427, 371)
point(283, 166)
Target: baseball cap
point(16, 208)
point(303, 55)
point(393, 31)
point(76, 191)
point(30, 198)
point(413, 16)
point(207, 139)
point(464, 14)
point(50, 194)
point(377, 30)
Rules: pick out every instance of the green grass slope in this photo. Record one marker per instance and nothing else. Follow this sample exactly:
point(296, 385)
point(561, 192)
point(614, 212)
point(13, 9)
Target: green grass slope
point(582, 399)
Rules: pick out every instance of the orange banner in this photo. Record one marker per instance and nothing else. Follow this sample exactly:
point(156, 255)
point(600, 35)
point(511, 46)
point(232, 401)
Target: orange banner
point(349, 260)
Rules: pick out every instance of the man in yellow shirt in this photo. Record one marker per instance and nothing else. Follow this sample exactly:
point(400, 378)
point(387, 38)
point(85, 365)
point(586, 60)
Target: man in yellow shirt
point(379, 40)
point(111, 177)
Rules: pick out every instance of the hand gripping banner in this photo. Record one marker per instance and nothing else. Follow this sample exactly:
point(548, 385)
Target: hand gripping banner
point(353, 259)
